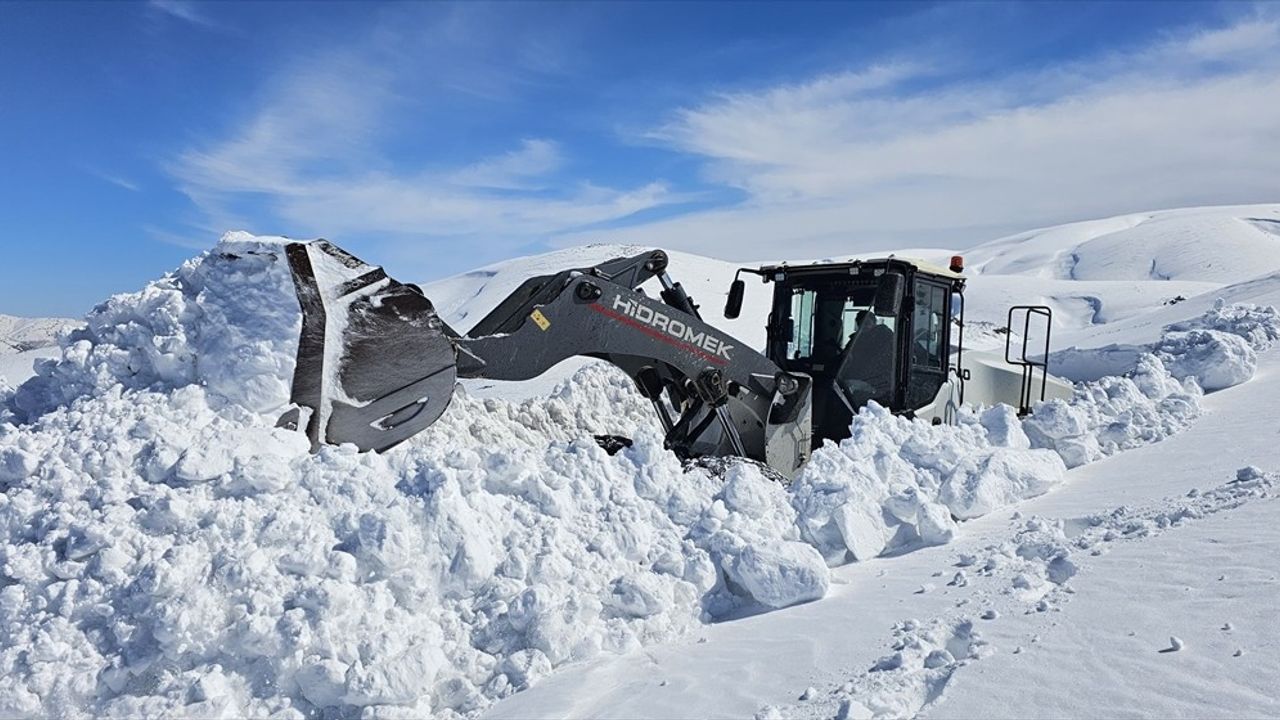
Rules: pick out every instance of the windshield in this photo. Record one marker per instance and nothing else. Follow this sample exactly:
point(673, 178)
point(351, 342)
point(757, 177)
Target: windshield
point(837, 335)
point(826, 319)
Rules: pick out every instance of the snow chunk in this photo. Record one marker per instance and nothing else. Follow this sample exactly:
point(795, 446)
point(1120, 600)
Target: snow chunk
point(786, 574)
point(1258, 325)
point(1115, 413)
point(899, 483)
point(1215, 359)
point(1000, 478)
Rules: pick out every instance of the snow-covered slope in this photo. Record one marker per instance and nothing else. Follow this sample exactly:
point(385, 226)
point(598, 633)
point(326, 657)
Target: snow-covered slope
point(19, 334)
point(165, 550)
point(1212, 244)
point(17, 368)
point(23, 341)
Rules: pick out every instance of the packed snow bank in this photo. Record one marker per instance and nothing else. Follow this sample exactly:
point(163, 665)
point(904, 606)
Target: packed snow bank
point(898, 483)
point(1218, 349)
point(201, 562)
point(1259, 325)
point(1115, 413)
point(165, 550)
point(226, 320)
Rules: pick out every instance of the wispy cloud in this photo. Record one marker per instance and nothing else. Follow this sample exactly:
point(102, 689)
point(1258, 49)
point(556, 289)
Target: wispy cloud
point(189, 241)
point(314, 157)
point(860, 160)
point(190, 12)
point(513, 170)
point(117, 180)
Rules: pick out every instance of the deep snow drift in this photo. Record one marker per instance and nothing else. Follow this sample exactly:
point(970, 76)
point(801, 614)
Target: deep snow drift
point(166, 550)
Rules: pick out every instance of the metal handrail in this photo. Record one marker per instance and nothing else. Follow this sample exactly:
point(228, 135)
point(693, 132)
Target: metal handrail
point(1028, 365)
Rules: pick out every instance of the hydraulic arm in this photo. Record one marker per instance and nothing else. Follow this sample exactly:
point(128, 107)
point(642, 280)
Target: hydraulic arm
point(377, 365)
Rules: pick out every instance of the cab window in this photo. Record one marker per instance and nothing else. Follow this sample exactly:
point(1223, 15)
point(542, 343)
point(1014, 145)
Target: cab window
point(928, 326)
point(928, 343)
point(826, 320)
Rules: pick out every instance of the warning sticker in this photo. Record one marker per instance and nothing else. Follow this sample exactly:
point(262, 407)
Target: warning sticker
point(540, 320)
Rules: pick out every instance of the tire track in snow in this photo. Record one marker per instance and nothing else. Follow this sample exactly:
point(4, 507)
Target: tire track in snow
point(1028, 571)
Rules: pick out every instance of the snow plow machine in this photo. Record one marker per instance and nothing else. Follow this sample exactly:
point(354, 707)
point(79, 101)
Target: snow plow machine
point(376, 364)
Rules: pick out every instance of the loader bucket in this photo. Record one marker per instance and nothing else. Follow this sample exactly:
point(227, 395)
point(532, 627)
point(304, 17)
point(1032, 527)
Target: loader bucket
point(375, 363)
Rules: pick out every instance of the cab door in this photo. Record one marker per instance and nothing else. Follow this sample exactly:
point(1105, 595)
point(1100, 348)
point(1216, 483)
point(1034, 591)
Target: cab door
point(927, 350)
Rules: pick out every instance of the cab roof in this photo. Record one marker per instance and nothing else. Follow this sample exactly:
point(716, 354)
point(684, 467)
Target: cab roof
point(822, 267)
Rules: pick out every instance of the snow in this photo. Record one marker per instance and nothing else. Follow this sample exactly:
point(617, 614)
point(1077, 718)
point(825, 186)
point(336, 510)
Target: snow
point(1216, 244)
point(1139, 438)
point(1203, 581)
point(1115, 413)
point(237, 571)
point(1218, 349)
point(1040, 559)
point(896, 484)
point(17, 368)
point(783, 574)
point(224, 321)
point(222, 546)
point(165, 550)
point(21, 334)
point(1157, 573)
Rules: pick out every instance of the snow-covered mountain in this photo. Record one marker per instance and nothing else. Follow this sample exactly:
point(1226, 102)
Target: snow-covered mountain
point(19, 334)
point(23, 341)
point(165, 549)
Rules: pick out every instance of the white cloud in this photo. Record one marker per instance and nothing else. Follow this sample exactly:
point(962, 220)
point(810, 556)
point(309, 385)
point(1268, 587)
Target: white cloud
point(1238, 40)
point(854, 161)
point(897, 154)
point(512, 170)
point(189, 241)
point(312, 155)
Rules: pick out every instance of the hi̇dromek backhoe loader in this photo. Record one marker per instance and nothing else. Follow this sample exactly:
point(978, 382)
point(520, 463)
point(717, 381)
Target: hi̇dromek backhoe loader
point(377, 365)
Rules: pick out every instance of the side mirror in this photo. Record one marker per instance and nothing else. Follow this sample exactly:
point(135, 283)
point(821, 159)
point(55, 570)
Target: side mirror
point(888, 299)
point(733, 306)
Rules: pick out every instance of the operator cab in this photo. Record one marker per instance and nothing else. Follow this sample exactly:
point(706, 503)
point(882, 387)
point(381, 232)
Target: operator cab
point(863, 330)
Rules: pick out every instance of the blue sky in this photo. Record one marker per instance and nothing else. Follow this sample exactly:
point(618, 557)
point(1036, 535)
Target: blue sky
point(434, 138)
